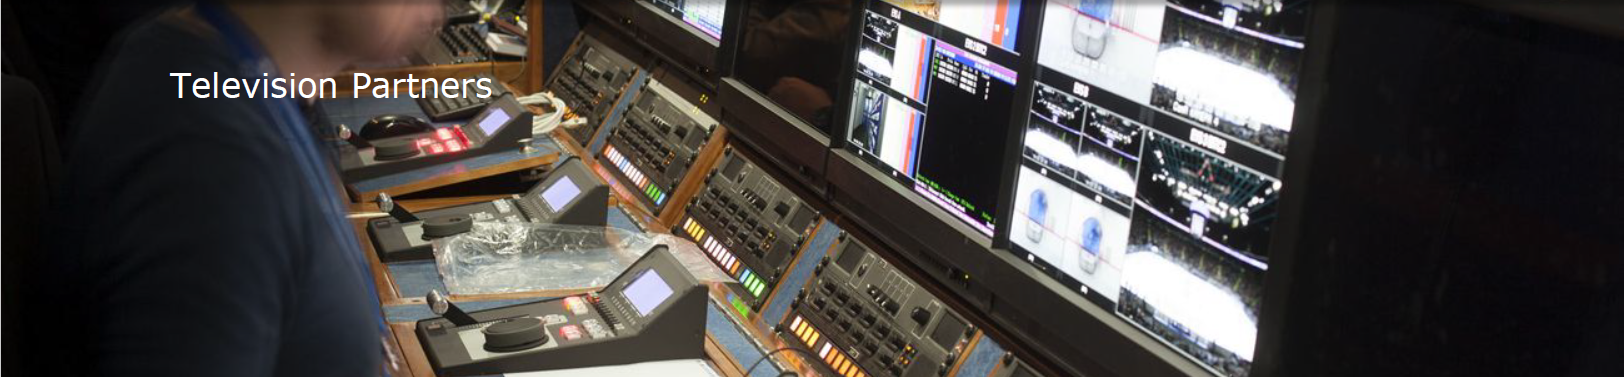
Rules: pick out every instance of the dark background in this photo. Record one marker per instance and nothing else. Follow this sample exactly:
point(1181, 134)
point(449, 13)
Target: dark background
point(1462, 208)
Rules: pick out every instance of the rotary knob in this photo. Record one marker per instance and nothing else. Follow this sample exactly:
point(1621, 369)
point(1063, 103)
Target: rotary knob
point(516, 334)
point(447, 226)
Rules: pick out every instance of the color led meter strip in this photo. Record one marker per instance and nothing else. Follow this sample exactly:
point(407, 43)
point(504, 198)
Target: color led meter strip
point(831, 355)
point(753, 283)
point(636, 177)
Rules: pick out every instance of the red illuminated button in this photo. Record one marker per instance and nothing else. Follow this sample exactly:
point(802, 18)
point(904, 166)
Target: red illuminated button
point(424, 142)
point(436, 149)
point(570, 332)
point(443, 133)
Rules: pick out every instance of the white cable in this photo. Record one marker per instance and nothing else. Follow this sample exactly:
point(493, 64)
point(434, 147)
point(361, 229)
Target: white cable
point(546, 123)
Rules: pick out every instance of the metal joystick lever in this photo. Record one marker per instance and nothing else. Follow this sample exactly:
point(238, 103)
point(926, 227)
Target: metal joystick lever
point(352, 137)
point(443, 307)
point(387, 205)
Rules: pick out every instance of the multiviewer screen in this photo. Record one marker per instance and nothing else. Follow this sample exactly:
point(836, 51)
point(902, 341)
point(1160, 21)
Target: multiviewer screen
point(1151, 161)
point(931, 102)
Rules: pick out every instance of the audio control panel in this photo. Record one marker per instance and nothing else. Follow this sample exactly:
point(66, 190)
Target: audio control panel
point(498, 127)
point(749, 224)
point(591, 79)
point(655, 310)
point(864, 317)
point(457, 43)
point(570, 194)
point(657, 141)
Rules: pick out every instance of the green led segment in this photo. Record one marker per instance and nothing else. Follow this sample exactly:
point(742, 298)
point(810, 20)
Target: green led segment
point(654, 193)
point(754, 284)
point(741, 307)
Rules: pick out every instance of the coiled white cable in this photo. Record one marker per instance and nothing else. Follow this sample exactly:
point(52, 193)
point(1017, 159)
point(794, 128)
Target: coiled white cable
point(546, 123)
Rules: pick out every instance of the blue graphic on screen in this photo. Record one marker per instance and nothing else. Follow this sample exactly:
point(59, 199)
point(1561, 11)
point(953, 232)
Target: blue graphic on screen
point(1092, 234)
point(1039, 207)
point(1099, 9)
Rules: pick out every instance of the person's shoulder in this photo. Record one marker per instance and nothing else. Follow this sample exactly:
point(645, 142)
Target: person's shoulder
point(137, 97)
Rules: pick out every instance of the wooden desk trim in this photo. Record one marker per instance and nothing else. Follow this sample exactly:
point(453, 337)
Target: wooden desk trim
point(695, 178)
point(451, 179)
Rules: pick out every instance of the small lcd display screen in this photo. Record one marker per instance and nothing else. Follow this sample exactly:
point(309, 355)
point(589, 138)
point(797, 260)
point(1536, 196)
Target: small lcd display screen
point(561, 193)
point(647, 292)
point(494, 120)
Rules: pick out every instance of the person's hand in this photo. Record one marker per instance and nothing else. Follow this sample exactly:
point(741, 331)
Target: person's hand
point(799, 96)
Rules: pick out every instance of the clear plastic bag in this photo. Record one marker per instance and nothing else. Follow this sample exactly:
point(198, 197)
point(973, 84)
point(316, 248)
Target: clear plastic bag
point(507, 257)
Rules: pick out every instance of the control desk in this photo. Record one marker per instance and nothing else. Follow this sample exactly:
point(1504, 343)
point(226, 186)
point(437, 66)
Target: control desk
point(749, 224)
point(591, 79)
point(571, 194)
point(864, 317)
point(499, 127)
point(656, 142)
point(655, 310)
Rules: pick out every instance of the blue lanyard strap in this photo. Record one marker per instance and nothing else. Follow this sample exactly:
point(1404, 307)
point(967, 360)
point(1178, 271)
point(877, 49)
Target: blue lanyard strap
point(291, 125)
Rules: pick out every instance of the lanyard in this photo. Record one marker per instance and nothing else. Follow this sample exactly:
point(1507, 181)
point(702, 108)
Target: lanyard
point(290, 123)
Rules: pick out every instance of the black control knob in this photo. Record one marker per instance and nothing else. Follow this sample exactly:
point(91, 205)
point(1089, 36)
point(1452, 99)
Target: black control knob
point(389, 150)
point(516, 334)
point(920, 316)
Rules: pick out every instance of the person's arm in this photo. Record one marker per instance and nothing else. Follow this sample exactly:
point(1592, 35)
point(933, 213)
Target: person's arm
point(195, 272)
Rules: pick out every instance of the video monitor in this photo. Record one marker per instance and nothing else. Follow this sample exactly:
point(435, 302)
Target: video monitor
point(704, 15)
point(934, 93)
point(991, 21)
point(1151, 161)
point(790, 52)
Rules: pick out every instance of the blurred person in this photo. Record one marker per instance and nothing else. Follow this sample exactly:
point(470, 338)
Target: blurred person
point(205, 237)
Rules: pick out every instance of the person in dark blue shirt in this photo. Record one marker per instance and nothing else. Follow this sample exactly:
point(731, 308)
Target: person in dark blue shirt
point(205, 237)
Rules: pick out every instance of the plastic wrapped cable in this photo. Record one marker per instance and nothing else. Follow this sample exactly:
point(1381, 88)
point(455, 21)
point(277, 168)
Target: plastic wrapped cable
point(506, 257)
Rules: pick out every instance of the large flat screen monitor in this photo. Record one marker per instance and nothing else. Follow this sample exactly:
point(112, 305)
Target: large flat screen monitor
point(790, 52)
point(786, 74)
point(1151, 162)
point(933, 99)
